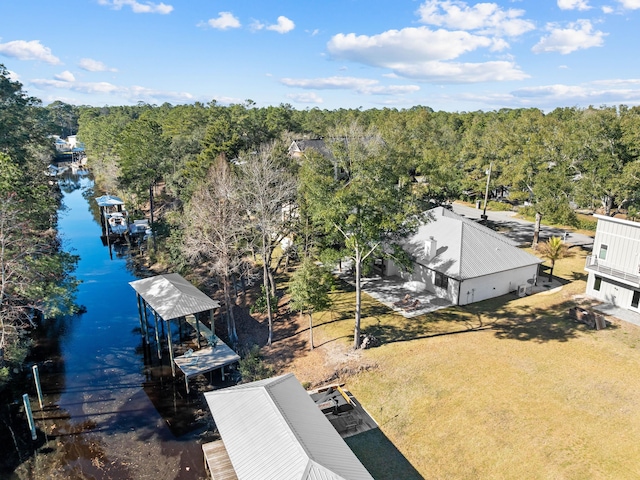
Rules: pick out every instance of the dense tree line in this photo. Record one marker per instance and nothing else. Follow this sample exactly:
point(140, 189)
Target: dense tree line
point(385, 167)
point(570, 157)
point(35, 274)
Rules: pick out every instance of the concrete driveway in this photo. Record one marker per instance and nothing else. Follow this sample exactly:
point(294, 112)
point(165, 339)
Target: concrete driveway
point(521, 230)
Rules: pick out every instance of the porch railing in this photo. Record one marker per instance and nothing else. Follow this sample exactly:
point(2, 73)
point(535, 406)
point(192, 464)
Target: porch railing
point(595, 264)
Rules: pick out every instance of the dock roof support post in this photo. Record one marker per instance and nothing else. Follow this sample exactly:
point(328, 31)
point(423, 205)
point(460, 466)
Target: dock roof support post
point(198, 334)
point(146, 320)
point(142, 329)
point(173, 366)
point(155, 318)
point(212, 318)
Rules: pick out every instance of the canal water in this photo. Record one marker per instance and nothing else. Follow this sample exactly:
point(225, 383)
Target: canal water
point(111, 408)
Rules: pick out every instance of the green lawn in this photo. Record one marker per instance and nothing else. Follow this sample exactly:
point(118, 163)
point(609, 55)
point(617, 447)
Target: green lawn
point(509, 388)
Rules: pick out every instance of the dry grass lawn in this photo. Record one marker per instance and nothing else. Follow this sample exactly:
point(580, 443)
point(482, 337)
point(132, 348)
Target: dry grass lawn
point(510, 388)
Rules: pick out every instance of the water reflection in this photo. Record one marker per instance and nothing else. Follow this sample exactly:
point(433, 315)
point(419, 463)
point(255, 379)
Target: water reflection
point(111, 410)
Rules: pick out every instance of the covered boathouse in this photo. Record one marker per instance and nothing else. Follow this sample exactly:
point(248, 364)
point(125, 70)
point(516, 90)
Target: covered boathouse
point(171, 297)
point(273, 430)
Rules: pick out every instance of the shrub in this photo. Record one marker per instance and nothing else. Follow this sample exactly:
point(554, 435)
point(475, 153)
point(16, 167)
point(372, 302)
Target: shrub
point(585, 224)
point(252, 367)
point(499, 206)
point(260, 305)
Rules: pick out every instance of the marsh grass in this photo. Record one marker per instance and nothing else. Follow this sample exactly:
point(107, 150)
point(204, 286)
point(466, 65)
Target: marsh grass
point(509, 388)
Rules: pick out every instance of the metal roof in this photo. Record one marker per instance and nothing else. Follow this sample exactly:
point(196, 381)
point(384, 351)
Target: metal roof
point(109, 201)
point(171, 296)
point(272, 429)
point(465, 248)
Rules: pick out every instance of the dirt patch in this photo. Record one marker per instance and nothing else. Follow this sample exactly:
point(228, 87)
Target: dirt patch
point(329, 362)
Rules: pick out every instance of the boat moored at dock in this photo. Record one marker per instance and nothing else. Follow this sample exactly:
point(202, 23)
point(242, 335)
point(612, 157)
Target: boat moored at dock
point(113, 218)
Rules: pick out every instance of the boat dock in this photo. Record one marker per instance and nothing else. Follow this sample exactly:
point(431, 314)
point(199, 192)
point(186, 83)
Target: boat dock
point(206, 360)
point(171, 297)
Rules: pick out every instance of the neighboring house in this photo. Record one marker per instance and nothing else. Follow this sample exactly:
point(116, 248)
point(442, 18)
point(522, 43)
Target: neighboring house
point(298, 147)
point(463, 261)
point(272, 429)
point(614, 265)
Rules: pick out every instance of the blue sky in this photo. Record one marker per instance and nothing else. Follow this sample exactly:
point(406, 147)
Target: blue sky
point(448, 55)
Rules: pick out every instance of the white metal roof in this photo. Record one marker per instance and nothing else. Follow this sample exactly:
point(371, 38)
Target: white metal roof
point(171, 296)
point(465, 248)
point(109, 201)
point(272, 429)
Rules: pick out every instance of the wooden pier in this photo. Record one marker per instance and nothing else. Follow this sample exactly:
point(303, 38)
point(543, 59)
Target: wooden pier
point(206, 360)
point(171, 297)
point(217, 462)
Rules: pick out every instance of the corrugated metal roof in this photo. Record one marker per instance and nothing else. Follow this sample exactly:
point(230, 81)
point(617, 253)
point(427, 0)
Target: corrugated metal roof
point(465, 248)
point(109, 201)
point(272, 429)
point(171, 296)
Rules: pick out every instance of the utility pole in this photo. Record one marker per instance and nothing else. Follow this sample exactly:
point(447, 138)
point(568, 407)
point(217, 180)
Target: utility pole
point(486, 194)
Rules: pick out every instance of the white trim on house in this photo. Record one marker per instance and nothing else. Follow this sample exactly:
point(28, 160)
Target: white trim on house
point(478, 262)
point(615, 279)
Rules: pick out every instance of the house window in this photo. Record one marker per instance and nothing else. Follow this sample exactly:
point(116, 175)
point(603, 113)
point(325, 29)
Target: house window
point(636, 299)
point(603, 252)
point(597, 283)
point(441, 280)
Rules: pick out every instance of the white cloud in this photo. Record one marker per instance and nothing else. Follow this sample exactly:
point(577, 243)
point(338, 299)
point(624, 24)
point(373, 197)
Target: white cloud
point(224, 21)
point(91, 65)
point(361, 85)
point(410, 45)
point(348, 83)
point(137, 7)
point(13, 76)
point(549, 97)
point(284, 25)
point(488, 18)
point(611, 92)
point(307, 97)
point(256, 25)
point(423, 54)
point(607, 9)
point(454, 72)
point(28, 50)
point(65, 76)
point(630, 4)
point(576, 36)
point(132, 94)
point(573, 5)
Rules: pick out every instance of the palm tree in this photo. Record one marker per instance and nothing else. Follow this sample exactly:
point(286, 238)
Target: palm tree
point(553, 250)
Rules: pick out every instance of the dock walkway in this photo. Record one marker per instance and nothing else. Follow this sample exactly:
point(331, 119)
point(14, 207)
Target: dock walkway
point(206, 360)
point(216, 460)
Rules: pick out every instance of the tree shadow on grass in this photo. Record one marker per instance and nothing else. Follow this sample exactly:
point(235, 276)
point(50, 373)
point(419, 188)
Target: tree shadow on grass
point(381, 457)
point(512, 322)
point(579, 276)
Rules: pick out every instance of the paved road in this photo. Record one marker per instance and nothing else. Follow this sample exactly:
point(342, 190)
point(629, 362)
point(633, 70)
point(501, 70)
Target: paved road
point(521, 230)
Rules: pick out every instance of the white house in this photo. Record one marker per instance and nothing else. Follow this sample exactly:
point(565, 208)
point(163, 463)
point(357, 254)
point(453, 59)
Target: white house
point(465, 262)
point(272, 429)
point(614, 265)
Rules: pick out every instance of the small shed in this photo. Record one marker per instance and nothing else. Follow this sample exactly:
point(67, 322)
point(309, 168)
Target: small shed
point(170, 296)
point(272, 429)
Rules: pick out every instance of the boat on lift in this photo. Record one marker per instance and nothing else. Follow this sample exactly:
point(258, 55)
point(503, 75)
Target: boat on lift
point(113, 216)
point(117, 223)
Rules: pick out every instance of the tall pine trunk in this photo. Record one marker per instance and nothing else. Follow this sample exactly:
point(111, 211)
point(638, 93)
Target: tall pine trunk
point(356, 330)
point(267, 290)
point(231, 320)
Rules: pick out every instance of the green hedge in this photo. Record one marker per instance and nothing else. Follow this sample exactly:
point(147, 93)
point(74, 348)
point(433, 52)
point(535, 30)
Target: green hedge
point(499, 206)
